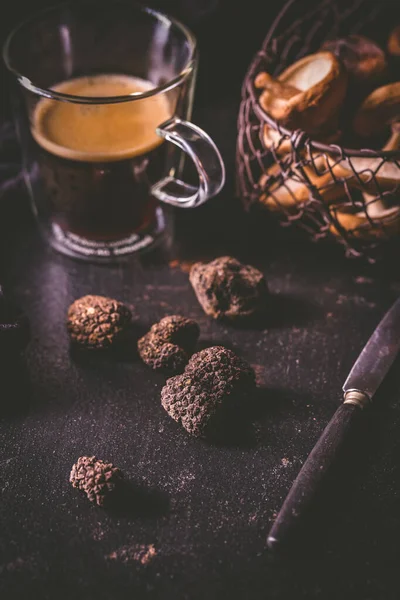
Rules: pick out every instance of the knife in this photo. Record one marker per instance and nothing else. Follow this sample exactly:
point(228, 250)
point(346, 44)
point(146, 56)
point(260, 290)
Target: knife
point(359, 388)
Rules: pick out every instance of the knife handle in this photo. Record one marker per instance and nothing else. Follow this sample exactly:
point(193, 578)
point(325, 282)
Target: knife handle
point(313, 472)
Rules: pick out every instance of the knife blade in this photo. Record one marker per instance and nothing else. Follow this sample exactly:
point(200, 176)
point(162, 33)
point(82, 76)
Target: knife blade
point(365, 377)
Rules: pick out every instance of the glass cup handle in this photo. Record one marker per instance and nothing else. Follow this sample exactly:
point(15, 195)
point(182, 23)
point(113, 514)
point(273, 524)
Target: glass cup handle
point(206, 157)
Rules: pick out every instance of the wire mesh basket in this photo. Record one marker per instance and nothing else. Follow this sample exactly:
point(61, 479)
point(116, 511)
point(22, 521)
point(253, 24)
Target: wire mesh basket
point(329, 190)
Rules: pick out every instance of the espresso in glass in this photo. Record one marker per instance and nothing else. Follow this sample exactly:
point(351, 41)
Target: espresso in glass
point(97, 162)
point(103, 96)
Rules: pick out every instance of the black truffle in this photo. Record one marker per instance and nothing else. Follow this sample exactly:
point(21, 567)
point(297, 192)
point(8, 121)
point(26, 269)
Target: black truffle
point(98, 322)
point(228, 289)
point(214, 382)
point(14, 326)
point(99, 480)
point(169, 343)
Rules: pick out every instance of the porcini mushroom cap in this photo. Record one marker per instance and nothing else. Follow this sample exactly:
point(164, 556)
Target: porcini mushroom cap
point(321, 82)
point(393, 45)
point(379, 109)
point(363, 59)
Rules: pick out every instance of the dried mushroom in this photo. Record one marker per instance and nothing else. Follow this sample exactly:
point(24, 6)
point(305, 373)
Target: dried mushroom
point(98, 322)
point(371, 174)
point(226, 288)
point(282, 193)
point(307, 95)
point(380, 109)
point(289, 191)
point(394, 42)
point(380, 218)
point(276, 95)
point(282, 145)
point(375, 222)
point(169, 343)
point(97, 479)
point(214, 383)
point(363, 59)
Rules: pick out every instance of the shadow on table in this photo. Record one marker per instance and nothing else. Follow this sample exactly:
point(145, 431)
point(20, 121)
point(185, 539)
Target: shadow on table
point(281, 310)
point(286, 311)
point(135, 500)
point(125, 352)
point(237, 428)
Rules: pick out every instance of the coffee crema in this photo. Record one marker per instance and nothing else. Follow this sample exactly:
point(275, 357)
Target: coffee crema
point(100, 132)
point(97, 162)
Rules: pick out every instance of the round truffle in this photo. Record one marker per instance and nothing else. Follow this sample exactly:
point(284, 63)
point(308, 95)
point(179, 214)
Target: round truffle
point(227, 289)
point(97, 322)
point(97, 479)
point(215, 380)
point(169, 343)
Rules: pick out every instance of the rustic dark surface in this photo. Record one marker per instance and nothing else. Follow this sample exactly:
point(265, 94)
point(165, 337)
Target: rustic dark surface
point(205, 508)
point(196, 522)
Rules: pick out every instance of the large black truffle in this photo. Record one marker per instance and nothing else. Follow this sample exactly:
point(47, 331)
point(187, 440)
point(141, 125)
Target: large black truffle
point(99, 480)
point(228, 289)
point(214, 382)
point(14, 327)
point(97, 322)
point(169, 343)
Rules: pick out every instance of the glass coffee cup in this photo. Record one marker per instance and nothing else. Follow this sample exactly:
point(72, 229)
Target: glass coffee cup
point(103, 96)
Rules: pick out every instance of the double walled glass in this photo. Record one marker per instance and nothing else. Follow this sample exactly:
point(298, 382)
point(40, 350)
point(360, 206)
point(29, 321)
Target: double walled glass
point(103, 98)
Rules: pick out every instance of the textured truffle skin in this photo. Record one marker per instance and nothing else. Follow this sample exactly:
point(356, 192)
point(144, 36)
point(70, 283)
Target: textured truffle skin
point(169, 343)
point(96, 478)
point(226, 288)
point(214, 381)
point(97, 322)
point(14, 326)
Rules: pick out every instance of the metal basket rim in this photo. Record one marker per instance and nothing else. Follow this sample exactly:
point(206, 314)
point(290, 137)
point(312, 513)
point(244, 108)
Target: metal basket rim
point(333, 149)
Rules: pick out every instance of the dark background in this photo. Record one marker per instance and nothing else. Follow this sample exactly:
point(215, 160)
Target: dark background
point(206, 508)
point(228, 32)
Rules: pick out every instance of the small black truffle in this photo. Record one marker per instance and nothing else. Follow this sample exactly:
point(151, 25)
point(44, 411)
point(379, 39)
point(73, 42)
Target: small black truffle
point(14, 327)
point(97, 322)
point(99, 480)
point(169, 343)
point(215, 380)
point(228, 289)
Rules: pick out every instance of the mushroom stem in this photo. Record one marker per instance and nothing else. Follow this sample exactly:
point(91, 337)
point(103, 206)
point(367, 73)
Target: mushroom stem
point(371, 174)
point(288, 191)
point(374, 206)
point(385, 224)
point(393, 142)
